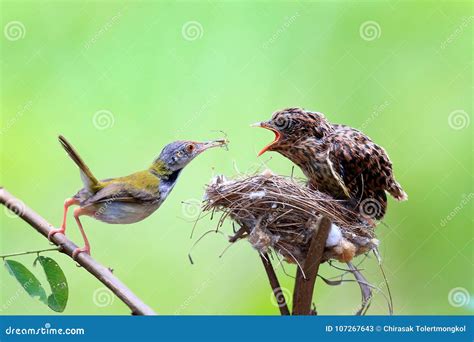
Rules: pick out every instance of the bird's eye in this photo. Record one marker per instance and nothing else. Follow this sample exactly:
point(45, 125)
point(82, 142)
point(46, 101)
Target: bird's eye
point(190, 148)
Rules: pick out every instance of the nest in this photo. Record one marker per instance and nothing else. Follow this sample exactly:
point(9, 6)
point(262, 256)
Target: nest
point(281, 213)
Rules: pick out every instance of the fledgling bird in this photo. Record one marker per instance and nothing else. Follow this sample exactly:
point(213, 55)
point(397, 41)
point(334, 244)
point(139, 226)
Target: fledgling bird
point(338, 160)
point(131, 198)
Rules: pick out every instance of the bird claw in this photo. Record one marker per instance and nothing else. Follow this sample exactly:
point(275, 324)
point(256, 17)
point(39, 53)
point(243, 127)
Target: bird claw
point(77, 251)
point(52, 232)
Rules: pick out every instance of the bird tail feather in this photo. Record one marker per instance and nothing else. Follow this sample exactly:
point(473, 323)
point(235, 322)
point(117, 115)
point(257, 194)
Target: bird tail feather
point(397, 192)
point(90, 182)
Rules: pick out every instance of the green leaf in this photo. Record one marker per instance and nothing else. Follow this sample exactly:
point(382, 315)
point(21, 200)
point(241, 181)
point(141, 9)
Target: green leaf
point(57, 300)
point(26, 279)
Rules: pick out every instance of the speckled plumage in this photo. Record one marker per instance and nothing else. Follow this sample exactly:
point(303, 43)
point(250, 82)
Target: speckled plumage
point(337, 159)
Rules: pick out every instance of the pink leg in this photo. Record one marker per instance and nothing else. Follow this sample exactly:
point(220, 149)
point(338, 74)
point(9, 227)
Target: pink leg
point(62, 230)
point(87, 248)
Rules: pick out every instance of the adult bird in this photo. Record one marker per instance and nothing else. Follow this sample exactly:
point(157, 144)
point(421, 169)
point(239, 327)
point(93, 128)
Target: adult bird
point(131, 198)
point(338, 160)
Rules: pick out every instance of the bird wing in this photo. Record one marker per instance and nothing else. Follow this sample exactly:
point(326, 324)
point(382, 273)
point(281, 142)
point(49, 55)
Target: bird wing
point(139, 187)
point(337, 175)
point(358, 159)
point(118, 192)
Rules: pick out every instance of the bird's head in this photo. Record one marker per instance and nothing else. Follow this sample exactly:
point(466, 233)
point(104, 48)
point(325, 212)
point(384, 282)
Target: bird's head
point(178, 154)
point(291, 125)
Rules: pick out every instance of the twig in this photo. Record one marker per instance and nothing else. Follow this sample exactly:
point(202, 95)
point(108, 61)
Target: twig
point(272, 277)
point(366, 291)
point(239, 234)
point(67, 247)
point(379, 262)
point(30, 252)
point(304, 284)
point(275, 284)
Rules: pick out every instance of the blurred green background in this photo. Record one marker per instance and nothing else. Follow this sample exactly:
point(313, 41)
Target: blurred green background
point(122, 79)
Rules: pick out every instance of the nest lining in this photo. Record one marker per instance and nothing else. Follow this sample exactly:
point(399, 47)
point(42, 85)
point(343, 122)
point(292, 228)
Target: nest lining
point(281, 213)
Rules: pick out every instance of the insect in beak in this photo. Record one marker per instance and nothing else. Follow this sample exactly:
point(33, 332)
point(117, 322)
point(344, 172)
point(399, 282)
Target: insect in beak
point(201, 147)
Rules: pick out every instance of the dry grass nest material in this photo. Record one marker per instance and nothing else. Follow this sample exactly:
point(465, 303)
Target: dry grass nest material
point(282, 213)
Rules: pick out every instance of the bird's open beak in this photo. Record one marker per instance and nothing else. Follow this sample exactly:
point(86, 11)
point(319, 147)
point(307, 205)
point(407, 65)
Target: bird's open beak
point(266, 125)
point(210, 144)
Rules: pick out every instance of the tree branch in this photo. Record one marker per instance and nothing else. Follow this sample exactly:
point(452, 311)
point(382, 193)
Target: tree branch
point(275, 284)
point(272, 277)
point(102, 273)
point(305, 279)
